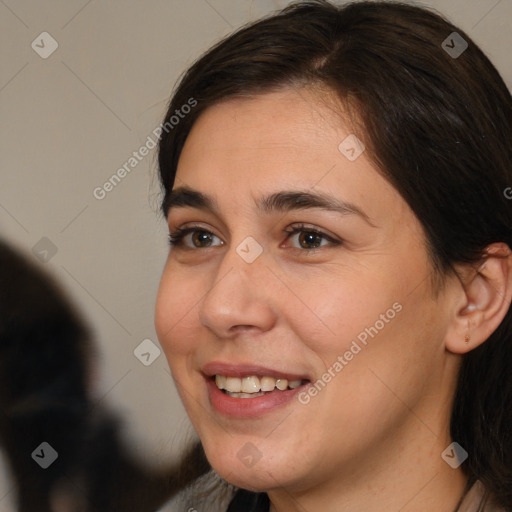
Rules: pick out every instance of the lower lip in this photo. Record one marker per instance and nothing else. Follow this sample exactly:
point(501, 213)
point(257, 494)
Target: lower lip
point(248, 407)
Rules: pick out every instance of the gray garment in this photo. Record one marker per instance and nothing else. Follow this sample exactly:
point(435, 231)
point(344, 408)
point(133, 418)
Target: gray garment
point(475, 500)
point(212, 494)
point(478, 500)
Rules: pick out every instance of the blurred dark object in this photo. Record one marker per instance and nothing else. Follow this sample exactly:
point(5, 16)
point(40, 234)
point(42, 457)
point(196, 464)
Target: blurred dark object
point(46, 354)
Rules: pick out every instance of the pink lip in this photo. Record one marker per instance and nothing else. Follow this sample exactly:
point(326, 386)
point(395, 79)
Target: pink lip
point(247, 407)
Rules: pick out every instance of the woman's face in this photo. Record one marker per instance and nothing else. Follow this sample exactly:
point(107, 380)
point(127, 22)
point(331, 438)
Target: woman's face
point(346, 314)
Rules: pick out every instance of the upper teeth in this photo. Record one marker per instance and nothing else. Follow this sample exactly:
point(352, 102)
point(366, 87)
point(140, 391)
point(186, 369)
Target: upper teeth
point(254, 384)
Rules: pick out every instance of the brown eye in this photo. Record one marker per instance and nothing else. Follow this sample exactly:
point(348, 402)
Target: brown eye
point(309, 239)
point(201, 238)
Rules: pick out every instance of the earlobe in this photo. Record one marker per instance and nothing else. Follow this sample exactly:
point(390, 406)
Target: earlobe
point(485, 298)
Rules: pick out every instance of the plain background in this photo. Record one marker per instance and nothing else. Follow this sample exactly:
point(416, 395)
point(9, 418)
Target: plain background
point(69, 121)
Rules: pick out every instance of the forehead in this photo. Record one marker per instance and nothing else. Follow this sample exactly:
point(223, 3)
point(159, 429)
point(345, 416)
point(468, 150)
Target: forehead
point(292, 119)
point(278, 132)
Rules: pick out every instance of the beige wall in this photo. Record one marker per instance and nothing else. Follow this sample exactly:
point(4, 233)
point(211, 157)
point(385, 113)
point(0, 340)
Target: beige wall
point(69, 121)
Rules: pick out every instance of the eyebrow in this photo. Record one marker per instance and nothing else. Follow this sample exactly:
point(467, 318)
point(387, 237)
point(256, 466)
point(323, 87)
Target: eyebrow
point(284, 201)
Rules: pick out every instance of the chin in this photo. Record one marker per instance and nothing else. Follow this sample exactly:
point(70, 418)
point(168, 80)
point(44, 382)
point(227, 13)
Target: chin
point(242, 468)
point(252, 479)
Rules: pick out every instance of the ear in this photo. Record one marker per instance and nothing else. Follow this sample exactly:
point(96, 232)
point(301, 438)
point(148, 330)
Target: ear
point(483, 301)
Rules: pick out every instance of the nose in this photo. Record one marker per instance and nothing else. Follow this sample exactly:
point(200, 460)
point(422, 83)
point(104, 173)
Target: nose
point(240, 298)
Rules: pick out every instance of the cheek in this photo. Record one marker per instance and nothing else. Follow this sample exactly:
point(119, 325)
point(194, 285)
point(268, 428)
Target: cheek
point(372, 321)
point(341, 307)
point(175, 310)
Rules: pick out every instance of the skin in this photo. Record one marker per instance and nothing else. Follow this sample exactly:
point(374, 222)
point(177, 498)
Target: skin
point(372, 439)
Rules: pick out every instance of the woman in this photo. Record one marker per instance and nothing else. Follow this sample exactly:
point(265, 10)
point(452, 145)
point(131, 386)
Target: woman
point(335, 306)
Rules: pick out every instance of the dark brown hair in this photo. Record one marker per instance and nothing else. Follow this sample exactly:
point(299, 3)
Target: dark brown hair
point(436, 125)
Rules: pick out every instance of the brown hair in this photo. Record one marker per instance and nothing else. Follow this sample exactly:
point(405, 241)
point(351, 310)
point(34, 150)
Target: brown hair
point(438, 126)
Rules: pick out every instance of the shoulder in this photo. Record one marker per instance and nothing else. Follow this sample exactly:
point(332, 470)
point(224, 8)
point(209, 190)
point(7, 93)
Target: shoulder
point(478, 499)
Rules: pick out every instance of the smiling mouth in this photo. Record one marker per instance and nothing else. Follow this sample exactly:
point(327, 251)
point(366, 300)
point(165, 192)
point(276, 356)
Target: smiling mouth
point(254, 386)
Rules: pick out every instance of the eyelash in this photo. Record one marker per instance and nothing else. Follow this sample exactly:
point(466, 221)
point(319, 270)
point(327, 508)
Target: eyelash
point(176, 237)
